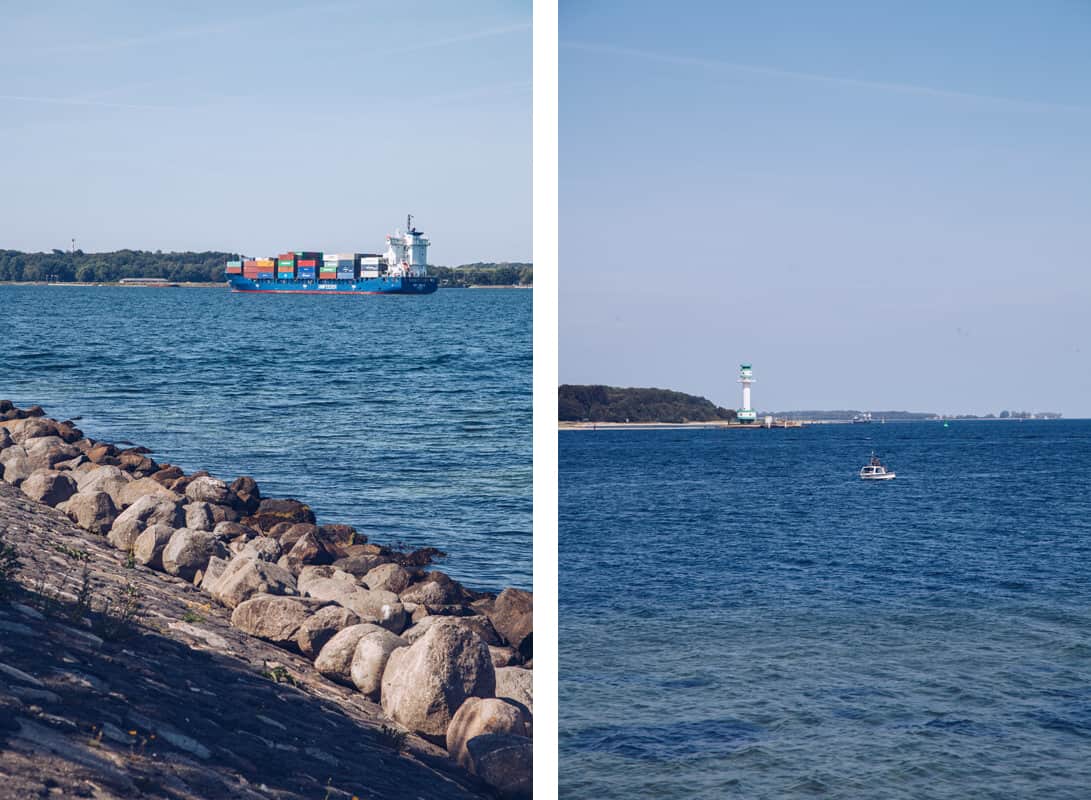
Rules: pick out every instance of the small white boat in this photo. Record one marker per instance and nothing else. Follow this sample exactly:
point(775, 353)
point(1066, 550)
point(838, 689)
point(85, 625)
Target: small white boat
point(875, 471)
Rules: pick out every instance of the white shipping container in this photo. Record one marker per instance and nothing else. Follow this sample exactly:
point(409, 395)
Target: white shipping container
point(369, 272)
point(370, 261)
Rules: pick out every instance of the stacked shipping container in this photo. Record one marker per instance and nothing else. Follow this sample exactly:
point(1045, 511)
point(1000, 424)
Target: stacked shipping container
point(286, 266)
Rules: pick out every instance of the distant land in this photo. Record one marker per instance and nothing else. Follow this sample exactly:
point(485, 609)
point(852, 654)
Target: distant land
point(846, 414)
point(613, 404)
point(62, 266)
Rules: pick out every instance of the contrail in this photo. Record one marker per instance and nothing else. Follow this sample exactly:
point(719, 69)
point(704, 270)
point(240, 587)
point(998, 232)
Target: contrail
point(833, 80)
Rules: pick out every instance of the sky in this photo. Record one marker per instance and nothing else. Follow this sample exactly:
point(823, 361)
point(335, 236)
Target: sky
point(256, 127)
point(880, 205)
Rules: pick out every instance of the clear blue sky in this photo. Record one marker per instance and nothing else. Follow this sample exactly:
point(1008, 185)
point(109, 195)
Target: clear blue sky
point(260, 126)
point(881, 205)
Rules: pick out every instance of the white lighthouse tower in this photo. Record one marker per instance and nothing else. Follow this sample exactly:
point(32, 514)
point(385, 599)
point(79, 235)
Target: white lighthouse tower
point(746, 377)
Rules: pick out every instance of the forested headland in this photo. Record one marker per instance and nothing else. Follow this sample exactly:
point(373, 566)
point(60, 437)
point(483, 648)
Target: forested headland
point(61, 266)
point(613, 404)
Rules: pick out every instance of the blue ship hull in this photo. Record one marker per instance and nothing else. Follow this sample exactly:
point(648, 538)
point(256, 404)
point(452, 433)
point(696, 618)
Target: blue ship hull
point(343, 286)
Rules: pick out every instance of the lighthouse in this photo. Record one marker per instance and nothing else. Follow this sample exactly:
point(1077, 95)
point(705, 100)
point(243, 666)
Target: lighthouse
point(746, 377)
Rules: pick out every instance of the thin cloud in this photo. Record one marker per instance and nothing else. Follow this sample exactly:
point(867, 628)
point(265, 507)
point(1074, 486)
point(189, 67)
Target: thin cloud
point(478, 92)
point(464, 37)
point(831, 80)
point(74, 101)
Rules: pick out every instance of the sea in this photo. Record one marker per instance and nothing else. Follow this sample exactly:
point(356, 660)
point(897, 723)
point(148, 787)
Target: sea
point(742, 616)
point(407, 417)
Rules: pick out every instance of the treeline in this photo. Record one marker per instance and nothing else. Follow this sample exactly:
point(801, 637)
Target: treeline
point(60, 266)
point(843, 414)
point(485, 274)
point(613, 404)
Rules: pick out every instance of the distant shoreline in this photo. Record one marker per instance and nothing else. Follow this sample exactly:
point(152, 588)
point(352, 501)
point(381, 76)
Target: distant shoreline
point(778, 424)
point(191, 285)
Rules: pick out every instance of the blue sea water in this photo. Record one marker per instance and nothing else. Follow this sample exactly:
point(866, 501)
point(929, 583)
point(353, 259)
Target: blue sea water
point(741, 616)
point(408, 417)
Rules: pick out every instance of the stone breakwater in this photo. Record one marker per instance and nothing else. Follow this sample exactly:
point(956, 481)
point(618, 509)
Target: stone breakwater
point(442, 661)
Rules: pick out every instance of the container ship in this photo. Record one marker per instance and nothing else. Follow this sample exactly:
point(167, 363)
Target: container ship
point(402, 269)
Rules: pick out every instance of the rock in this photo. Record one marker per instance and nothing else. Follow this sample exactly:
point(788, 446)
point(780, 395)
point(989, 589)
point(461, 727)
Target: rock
point(208, 490)
point(512, 615)
point(289, 533)
point(149, 545)
point(275, 619)
point(213, 572)
point(359, 565)
point(145, 487)
point(477, 717)
point(247, 496)
point(5, 438)
point(233, 530)
point(106, 478)
point(504, 656)
point(199, 516)
point(33, 429)
point(322, 626)
point(246, 577)
point(72, 463)
point(324, 571)
point(335, 540)
point(387, 578)
point(425, 684)
point(478, 624)
point(69, 432)
point(148, 510)
point(134, 462)
point(167, 474)
point(102, 454)
point(17, 467)
point(505, 762)
point(370, 658)
point(48, 456)
point(49, 487)
point(272, 511)
point(515, 683)
point(437, 589)
point(188, 551)
point(335, 658)
point(382, 606)
point(306, 550)
point(262, 548)
point(222, 513)
point(93, 511)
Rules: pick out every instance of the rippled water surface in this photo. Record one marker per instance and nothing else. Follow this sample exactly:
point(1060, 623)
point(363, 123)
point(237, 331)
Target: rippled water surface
point(741, 616)
point(409, 417)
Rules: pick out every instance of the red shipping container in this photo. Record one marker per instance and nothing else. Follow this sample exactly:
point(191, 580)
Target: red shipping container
point(307, 263)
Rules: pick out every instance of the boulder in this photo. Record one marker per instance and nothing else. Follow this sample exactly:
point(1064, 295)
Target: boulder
point(102, 454)
point(246, 495)
point(167, 474)
point(262, 548)
point(234, 530)
point(272, 511)
point(504, 656)
point(145, 487)
point(5, 438)
point(212, 573)
point(273, 618)
point(49, 487)
point(324, 571)
point(335, 540)
point(387, 578)
point(223, 513)
point(148, 510)
point(149, 545)
point(189, 551)
point(425, 684)
point(381, 606)
point(289, 533)
point(208, 490)
point(436, 590)
point(505, 762)
point(335, 658)
point(135, 462)
point(478, 624)
point(48, 452)
point(72, 463)
point(322, 626)
point(105, 478)
point(306, 550)
point(199, 516)
point(93, 511)
point(17, 467)
point(516, 683)
point(512, 615)
point(361, 563)
point(32, 428)
point(246, 577)
point(370, 658)
point(477, 717)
